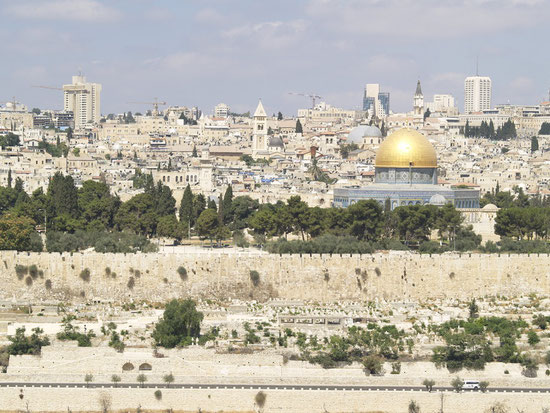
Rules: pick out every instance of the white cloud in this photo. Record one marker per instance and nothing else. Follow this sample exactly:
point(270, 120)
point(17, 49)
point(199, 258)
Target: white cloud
point(209, 15)
point(384, 64)
point(75, 10)
point(271, 34)
point(430, 19)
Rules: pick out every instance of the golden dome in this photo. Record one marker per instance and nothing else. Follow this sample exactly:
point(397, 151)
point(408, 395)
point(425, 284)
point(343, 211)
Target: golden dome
point(403, 147)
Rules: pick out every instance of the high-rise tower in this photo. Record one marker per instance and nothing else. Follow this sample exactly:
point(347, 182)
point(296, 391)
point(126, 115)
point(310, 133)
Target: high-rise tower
point(477, 94)
point(83, 99)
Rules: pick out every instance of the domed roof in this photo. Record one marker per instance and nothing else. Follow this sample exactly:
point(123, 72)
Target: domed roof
point(404, 148)
point(356, 134)
point(438, 199)
point(490, 207)
point(276, 141)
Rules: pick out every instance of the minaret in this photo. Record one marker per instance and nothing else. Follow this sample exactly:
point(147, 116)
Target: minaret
point(418, 105)
point(259, 136)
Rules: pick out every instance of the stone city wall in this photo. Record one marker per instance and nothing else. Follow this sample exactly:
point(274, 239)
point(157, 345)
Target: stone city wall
point(216, 400)
point(323, 278)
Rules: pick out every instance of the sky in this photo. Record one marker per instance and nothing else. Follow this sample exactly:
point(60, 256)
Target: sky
point(201, 53)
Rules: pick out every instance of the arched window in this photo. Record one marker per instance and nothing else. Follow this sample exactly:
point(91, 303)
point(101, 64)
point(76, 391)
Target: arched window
point(127, 367)
point(145, 367)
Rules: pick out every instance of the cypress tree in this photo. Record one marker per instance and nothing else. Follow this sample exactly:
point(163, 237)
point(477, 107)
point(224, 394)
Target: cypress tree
point(299, 128)
point(227, 203)
point(194, 151)
point(186, 207)
point(9, 178)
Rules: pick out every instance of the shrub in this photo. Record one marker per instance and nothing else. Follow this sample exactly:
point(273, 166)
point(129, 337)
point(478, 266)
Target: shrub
point(28, 281)
point(183, 273)
point(260, 399)
point(372, 364)
point(532, 338)
point(414, 407)
point(107, 271)
point(377, 271)
point(85, 275)
point(255, 278)
point(131, 283)
point(33, 271)
point(21, 271)
point(158, 394)
point(48, 284)
point(396, 367)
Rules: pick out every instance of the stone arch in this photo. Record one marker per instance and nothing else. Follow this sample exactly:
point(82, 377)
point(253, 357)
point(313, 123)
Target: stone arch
point(145, 367)
point(127, 367)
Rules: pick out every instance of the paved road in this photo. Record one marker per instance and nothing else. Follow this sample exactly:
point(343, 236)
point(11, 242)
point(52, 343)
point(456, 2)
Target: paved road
point(294, 387)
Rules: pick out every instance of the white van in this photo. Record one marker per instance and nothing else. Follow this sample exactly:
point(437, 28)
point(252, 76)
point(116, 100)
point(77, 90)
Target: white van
point(471, 385)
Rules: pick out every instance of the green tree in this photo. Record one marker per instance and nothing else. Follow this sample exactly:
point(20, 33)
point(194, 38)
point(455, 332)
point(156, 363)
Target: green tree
point(179, 325)
point(16, 233)
point(138, 215)
point(22, 344)
point(141, 379)
point(115, 378)
point(98, 207)
point(299, 128)
point(88, 378)
point(62, 197)
point(168, 226)
point(534, 144)
point(346, 149)
point(207, 224)
point(194, 154)
point(168, 379)
point(544, 128)
point(186, 212)
point(9, 178)
point(228, 205)
point(279, 116)
point(429, 384)
point(414, 407)
point(457, 383)
point(242, 207)
point(366, 219)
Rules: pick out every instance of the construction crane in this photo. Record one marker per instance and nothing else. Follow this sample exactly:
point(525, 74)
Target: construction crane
point(312, 96)
point(155, 104)
point(13, 102)
point(47, 87)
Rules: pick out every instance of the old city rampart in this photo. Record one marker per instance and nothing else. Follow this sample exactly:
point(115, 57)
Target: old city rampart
point(324, 278)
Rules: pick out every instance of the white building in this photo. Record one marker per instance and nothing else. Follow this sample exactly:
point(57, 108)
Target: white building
point(83, 99)
point(444, 104)
point(221, 110)
point(477, 94)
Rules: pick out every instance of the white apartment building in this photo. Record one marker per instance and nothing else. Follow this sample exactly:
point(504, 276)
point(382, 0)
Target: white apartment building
point(477, 94)
point(221, 110)
point(444, 104)
point(83, 99)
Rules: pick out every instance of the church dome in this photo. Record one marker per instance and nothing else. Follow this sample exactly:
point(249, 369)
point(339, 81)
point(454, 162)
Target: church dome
point(438, 200)
point(276, 142)
point(404, 148)
point(356, 134)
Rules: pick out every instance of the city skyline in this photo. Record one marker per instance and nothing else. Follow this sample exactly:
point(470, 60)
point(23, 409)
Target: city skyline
point(211, 53)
